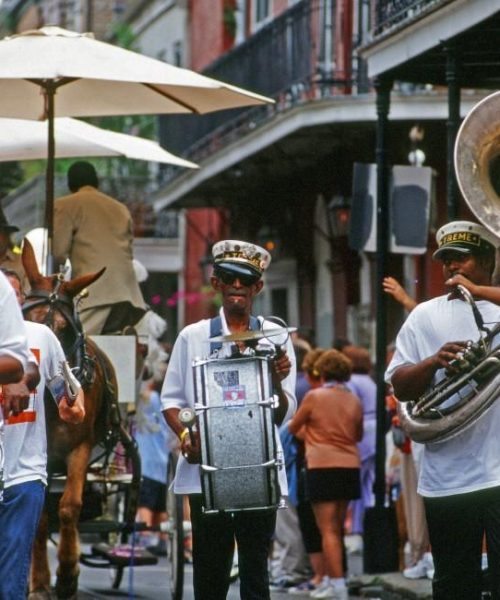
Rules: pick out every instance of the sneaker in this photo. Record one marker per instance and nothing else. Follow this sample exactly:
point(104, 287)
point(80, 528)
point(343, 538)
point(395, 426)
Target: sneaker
point(303, 589)
point(282, 584)
point(429, 561)
point(484, 561)
point(419, 571)
point(327, 591)
point(353, 543)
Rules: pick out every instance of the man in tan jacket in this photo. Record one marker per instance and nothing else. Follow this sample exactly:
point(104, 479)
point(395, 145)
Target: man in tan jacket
point(94, 231)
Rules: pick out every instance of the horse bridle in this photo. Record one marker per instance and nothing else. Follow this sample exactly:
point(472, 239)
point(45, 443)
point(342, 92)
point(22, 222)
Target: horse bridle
point(84, 366)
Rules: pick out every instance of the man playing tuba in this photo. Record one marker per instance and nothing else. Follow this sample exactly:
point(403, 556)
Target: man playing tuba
point(460, 477)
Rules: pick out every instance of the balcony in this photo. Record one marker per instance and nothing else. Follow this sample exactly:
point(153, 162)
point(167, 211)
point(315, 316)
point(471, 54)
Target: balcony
point(391, 15)
point(291, 60)
point(412, 40)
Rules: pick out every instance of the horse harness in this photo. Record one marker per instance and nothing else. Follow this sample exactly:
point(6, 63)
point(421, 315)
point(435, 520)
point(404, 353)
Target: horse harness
point(84, 364)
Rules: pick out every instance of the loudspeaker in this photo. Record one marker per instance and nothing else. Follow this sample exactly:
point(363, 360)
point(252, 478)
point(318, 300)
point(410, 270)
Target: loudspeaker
point(380, 540)
point(363, 219)
point(411, 196)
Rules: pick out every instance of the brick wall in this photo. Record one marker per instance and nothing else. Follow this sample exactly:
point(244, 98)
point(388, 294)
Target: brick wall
point(206, 32)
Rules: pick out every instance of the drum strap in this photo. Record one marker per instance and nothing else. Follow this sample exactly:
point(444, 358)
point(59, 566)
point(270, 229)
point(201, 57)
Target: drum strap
point(216, 329)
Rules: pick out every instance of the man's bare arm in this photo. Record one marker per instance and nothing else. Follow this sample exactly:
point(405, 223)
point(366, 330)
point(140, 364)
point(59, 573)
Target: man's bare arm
point(411, 381)
point(11, 370)
point(480, 292)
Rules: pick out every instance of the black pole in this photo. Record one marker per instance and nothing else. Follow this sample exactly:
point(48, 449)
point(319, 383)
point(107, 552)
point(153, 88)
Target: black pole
point(380, 548)
point(383, 89)
point(452, 125)
point(50, 90)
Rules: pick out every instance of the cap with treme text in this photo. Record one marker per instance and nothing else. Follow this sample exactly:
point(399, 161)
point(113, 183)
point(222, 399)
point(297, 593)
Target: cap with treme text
point(465, 237)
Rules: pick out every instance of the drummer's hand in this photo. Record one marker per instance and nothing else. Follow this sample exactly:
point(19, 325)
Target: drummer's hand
point(282, 365)
point(191, 451)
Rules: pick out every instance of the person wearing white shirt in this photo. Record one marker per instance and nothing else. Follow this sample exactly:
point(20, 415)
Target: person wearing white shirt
point(460, 477)
point(238, 267)
point(25, 467)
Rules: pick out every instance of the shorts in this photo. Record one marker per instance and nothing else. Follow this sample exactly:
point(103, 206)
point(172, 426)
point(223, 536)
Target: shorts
point(153, 495)
point(332, 484)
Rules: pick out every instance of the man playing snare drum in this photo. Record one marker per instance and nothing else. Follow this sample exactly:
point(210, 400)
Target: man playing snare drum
point(238, 268)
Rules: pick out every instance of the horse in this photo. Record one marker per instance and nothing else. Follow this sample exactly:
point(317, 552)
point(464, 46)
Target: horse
point(51, 300)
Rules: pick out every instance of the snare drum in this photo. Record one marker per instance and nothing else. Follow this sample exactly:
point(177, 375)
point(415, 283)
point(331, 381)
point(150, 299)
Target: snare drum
point(234, 404)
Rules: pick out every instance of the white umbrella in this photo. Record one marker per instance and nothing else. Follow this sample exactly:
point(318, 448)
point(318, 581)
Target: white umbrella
point(27, 140)
point(54, 72)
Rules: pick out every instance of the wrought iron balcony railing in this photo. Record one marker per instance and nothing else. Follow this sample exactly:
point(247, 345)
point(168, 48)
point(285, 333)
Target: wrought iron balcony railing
point(390, 15)
point(291, 60)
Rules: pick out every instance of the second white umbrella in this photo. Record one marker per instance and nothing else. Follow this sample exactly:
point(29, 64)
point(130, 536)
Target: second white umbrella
point(21, 139)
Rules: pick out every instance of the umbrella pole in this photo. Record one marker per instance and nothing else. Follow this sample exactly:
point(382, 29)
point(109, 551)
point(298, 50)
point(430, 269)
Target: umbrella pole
point(50, 89)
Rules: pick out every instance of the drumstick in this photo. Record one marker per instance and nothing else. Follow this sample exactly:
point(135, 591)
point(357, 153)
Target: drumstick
point(187, 417)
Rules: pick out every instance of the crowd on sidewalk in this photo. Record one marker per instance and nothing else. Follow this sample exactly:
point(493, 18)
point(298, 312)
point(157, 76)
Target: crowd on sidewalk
point(298, 563)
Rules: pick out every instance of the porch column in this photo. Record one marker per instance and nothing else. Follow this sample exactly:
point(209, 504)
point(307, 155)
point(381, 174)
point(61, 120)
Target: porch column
point(383, 88)
point(380, 548)
point(452, 126)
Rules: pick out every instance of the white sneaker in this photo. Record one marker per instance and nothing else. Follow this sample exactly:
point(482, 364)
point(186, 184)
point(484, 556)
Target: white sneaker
point(325, 592)
point(429, 562)
point(419, 571)
point(340, 593)
point(322, 586)
point(484, 561)
point(353, 543)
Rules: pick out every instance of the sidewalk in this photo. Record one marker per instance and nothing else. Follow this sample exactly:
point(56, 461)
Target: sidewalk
point(388, 586)
point(384, 586)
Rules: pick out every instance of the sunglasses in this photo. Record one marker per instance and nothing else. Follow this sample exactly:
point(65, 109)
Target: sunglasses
point(230, 278)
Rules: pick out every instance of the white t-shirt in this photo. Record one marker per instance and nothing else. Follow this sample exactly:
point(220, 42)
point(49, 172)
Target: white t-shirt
point(178, 391)
point(470, 461)
point(25, 434)
point(12, 329)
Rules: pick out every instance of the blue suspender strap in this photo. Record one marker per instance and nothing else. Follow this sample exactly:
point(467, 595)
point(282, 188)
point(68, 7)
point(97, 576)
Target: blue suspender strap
point(216, 329)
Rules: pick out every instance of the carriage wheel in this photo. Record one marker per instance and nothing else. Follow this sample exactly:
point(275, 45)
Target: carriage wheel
point(175, 512)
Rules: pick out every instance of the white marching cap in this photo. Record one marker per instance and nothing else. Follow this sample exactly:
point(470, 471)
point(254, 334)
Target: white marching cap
point(240, 257)
point(464, 237)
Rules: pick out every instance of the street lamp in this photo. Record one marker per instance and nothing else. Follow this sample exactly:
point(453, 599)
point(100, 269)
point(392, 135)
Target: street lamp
point(339, 212)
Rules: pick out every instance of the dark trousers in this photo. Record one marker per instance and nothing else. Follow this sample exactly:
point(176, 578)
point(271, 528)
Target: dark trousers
point(456, 527)
point(213, 547)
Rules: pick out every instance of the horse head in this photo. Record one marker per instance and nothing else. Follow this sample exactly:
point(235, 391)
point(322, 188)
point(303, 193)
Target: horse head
point(51, 299)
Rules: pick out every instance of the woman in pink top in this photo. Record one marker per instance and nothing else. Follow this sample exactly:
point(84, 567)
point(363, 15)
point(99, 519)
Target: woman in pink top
point(332, 421)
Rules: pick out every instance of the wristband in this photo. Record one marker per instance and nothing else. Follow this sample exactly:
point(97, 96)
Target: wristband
point(183, 434)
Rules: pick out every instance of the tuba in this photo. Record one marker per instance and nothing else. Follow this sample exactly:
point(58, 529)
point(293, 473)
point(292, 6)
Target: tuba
point(461, 398)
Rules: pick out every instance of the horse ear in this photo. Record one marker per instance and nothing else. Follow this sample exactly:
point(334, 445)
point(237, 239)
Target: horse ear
point(75, 286)
point(29, 262)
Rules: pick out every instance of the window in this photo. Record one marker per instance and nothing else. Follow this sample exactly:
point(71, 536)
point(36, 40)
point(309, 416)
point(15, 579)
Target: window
point(262, 11)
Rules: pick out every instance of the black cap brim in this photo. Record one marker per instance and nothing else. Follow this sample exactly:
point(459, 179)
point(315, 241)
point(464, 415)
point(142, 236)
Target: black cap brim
point(236, 269)
point(9, 228)
point(438, 254)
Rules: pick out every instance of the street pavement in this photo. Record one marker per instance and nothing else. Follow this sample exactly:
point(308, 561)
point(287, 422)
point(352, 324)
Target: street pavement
point(153, 583)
